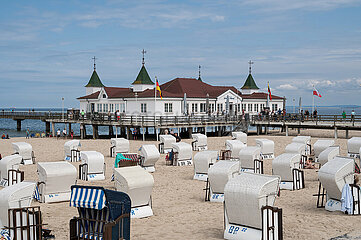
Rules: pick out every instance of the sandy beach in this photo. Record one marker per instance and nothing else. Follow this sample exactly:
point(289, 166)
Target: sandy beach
point(178, 201)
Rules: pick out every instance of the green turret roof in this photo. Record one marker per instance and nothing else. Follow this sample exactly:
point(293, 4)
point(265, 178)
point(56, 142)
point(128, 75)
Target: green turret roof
point(95, 81)
point(143, 77)
point(199, 78)
point(250, 83)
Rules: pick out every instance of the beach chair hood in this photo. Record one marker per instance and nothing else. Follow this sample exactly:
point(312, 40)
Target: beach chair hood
point(136, 182)
point(57, 176)
point(234, 146)
point(220, 173)
point(267, 146)
point(244, 196)
point(328, 154)
point(150, 155)
point(7, 163)
point(167, 140)
point(302, 139)
point(335, 174)
point(95, 161)
point(15, 196)
point(240, 136)
point(354, 145)
point(247, 155)
point(200, 138)
point(283, 165)
point(23, 149)
point(121, 144)
point(321, 145)
point(296, 147)
point(203, 159)
point(183, 149)
point(71, 145)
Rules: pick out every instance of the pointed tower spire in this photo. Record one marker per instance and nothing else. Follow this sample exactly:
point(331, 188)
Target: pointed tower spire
point(143, 52)
point(94, 62)
point(199, 73)
point(94, 79)
point(250, 66)
point(250, 85)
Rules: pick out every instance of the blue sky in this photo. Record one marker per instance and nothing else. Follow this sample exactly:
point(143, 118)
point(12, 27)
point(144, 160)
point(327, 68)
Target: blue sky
point(46, 46)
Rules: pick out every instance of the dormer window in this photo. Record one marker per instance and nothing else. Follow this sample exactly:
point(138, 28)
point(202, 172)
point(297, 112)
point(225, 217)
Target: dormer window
point(104, 96)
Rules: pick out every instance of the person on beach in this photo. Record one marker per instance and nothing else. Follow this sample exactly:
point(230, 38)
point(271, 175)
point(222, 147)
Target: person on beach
point(353, 115)
point(64, 133)
point(166, 131)
point(343, 115)
point(27, 133)
point(58, 134)
point(134, 134)
point(72, 134)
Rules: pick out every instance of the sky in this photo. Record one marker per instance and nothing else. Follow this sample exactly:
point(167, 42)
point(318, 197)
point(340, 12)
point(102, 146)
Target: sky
point(46, 47)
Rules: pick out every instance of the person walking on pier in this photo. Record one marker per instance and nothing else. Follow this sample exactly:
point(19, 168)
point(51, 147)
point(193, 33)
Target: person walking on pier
point(353, 115)
point(343, 116)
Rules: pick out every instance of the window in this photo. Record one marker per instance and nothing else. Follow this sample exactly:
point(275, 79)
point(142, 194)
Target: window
point(256, 107)
point(99, 107)
point(212, 107)
point(202, 107)
point(122, 107)
point(143, 107)
point(111, 108)
point(249, 107)
point(194, 107)
point(105, 108)
point(274, 107)
point(238, 107)
point(168, 107)
point(116, 107)
point(243, 107)
point(220, 107)
point(262, 106)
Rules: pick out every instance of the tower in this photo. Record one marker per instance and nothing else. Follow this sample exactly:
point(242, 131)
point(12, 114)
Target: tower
point(94, 84)
point(250, 85)
point(143, 81)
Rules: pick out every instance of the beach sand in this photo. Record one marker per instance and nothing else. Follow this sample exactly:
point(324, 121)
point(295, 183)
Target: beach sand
point(178, 201)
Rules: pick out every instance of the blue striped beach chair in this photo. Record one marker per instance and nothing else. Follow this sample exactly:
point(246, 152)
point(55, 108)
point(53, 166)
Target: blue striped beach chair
point(103, 214)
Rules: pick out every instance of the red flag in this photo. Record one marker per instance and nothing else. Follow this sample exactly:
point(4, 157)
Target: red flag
point(269, 92)
point(316, 93)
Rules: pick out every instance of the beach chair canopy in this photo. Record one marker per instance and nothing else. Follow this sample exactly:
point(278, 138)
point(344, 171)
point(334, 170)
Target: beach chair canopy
point(284, 163)
point(23, 149)
point(103, 205)
point(321, 145)
point(71, 145)
point(167, 140)
point(244, 196)
point(328, 154)
point(267, 146)
point(335, 174)
point(234, 146)
point(200, 138)
point(302, 139)
point(95, 161)
point(183, 149)
point(121, 145)
point(247, 155)
point(220, 173)
point(7, 163)
point(57, 176)
point(354, 145)
point(136, 182)
point(15, 196)
point(203, 159)
point(296, 147)
point(241, 136)
point(150, 154)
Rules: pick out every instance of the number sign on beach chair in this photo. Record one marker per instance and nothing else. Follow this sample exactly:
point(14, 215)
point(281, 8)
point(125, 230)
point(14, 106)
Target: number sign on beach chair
point(354, 147)
point(248, 207)
point(103, 216)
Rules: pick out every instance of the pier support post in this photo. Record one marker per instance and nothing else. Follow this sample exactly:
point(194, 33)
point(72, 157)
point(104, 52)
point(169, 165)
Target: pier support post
point(111, 131)
point(336, 135)
point(47, 127)
point(219, 131)
point(53, 129)
point(266, 130)
point(286, 127)
point(257, 130)
point(156, 133)
point(346, 133)
point(128, 133)
point(82, 131)
point(69, 126)
point(298, 130)
point(95, 131)
point(18, 125)
point(189, 132)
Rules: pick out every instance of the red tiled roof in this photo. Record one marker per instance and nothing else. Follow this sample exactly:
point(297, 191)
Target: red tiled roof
point(90, 96)
point(259, 95)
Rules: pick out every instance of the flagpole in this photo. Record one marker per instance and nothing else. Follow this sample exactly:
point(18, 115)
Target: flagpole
point(155, 94)
point(313, 99)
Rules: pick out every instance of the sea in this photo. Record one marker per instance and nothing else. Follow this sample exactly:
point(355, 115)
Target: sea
point(8, 126)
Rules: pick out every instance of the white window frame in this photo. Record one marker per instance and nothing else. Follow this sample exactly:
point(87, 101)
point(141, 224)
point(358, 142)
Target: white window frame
point(143, 107)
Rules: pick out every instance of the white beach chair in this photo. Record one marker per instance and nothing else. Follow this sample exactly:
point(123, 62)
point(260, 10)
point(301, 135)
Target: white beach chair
point(182, 154)
point(248, 208)
point(328, 154)
point(250, 159)
point(202, 162)
point(300, 148)
point(25, 150)
point(234, 147)
point(240, 136)
point(287, 166)
point(306, 140)
point(353, 147)
point(333, 176)
point(71, 150)
point(267, 148)
point(321, 145)
point(138, 184)
point(119, 145)
point(149, 155)
point(199, 142)
point(92, 167)
point(55, 180)
point(218, 176)
point(9, 170)
point(166, 141)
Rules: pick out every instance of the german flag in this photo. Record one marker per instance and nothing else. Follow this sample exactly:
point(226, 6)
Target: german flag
point(269, 92)
point(158, 89)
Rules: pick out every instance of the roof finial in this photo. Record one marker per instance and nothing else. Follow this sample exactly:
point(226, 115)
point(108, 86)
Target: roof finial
point(94, 62)
point(143, 52)
point(250, 66)
point(199, 71)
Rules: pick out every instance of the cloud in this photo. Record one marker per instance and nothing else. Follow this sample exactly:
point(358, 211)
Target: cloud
point(286, 87)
